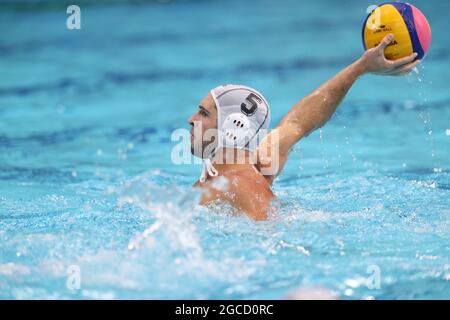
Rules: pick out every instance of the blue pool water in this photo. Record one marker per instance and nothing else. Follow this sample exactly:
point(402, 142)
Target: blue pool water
point(87, 182)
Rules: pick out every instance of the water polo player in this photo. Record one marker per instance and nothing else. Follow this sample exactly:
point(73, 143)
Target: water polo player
point(236, 161)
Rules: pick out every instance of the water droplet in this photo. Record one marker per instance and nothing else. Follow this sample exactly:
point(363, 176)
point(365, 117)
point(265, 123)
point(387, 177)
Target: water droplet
point(348, 292)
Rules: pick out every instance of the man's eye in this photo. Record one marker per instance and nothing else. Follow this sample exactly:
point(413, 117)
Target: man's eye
point(203, 113)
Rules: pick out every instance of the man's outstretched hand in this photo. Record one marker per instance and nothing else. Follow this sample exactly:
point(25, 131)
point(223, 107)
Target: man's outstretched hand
point(374, 61)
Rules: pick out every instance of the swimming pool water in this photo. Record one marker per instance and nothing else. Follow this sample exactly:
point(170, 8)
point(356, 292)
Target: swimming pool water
point(86, 179)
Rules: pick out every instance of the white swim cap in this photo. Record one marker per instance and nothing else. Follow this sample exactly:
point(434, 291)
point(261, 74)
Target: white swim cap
point(243, 117)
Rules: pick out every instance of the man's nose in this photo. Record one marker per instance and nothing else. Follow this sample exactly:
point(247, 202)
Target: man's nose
point(192, 119)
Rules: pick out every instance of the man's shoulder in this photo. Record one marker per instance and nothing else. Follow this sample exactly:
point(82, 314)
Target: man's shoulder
point(245, 181)
point(245, 190)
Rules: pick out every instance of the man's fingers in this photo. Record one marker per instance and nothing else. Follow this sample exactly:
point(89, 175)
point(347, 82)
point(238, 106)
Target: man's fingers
point(407, 68)
point(383, 73)
point(404, 69)
point(405, 60)
point(385, 42)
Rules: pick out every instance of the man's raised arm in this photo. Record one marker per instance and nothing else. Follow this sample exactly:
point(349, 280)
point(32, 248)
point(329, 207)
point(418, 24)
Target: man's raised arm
point(314, 110)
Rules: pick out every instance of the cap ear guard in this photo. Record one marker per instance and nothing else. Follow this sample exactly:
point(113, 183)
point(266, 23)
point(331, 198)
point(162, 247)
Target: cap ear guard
point(236, 130)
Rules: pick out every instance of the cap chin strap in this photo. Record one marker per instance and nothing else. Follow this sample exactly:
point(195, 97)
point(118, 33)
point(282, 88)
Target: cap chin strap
point(208, 169)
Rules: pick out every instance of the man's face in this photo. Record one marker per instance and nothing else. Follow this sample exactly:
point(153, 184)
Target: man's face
point(204, 118)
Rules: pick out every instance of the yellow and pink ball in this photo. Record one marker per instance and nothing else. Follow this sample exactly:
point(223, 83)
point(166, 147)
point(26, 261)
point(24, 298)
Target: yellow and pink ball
point(412, 32)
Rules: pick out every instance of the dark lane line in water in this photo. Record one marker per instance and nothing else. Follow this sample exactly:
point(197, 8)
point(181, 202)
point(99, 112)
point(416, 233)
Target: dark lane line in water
point(45, 175)
point(256, 69)
point(36, 46)
point(47, 139)
point(62, 84)
point(279, 69)
point(355, 109)
point(131, 134)
point(358, 108)
point(136, 134)
point(169, 75)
